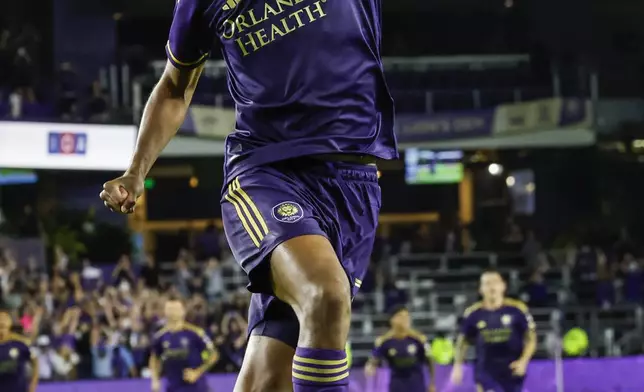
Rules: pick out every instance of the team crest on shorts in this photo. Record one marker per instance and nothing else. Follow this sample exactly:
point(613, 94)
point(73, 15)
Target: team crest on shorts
point(13, 353)
point(287, 212)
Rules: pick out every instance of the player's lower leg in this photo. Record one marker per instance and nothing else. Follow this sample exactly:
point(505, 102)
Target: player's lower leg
point(309, 277)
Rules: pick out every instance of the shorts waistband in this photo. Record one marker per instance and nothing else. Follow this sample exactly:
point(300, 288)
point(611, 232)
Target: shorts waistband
point(347, 158)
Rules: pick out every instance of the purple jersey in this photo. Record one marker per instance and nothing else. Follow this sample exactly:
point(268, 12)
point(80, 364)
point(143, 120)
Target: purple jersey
point(498, 336)
point(406, 357)
point(306, 75)
point(180, 350)
point(15, 354)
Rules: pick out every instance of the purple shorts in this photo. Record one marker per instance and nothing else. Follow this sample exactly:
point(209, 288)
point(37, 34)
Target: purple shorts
point(268, 205)
point(488, 383)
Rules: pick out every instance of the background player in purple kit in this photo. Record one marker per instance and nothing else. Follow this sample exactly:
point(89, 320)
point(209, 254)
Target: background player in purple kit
point(15, 356)
point(181, 352)
point(406, 351)
point(503, 334)
point(301, 200)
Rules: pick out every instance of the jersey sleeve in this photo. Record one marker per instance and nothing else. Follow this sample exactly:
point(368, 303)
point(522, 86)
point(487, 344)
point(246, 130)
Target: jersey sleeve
point(468, 328)
point(156, 346)
point(525, 322)
point(26, 353)
point(188, 44)
point(379, 351)
point(203, 344)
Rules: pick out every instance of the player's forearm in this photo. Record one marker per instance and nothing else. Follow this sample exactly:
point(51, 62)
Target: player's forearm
point(432, 369)
point(35, 373)
point(530, 346)
point(461, 350)
point(163, 115)
point(208, 363)
point(155, 374)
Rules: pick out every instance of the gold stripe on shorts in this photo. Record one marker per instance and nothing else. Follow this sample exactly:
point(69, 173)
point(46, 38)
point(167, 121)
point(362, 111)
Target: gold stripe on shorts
point(241, 201)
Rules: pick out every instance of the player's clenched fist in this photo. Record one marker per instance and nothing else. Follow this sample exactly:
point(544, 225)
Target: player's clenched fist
point(120, 194)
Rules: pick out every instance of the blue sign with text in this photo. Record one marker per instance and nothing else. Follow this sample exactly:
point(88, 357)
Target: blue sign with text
point(67, 143)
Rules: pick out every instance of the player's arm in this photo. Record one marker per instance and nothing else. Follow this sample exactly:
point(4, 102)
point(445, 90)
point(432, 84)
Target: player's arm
point(427, 354)
point(530, 342)
point(209, 355)
point(35, 372)
point(154, 364)
point(163, 115)
point(527, 326)
point(187, 50)
point(460, 350)
point(467, 332)
point(377, 356)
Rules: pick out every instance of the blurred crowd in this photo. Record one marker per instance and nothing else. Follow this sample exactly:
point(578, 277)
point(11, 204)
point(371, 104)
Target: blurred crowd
point(96, 320)
point(98, 323)
point(28, 91)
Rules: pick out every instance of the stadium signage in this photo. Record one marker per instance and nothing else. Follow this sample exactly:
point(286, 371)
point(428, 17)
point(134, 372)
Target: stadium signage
point(31, 145)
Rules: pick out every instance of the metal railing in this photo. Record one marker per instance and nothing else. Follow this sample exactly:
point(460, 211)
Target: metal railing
point(612, 331)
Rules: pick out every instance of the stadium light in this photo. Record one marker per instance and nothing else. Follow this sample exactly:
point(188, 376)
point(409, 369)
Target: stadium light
point(495, 169)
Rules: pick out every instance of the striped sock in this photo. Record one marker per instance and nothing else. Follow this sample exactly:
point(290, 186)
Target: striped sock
point(319, 370)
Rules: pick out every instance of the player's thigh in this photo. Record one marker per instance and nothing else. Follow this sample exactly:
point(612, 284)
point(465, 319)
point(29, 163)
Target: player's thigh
point(261, 209)
point(305, 269)
point(266, 367)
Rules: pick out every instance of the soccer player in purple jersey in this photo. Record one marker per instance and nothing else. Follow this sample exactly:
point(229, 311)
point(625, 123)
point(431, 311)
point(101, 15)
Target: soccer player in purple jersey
point(503, 334)
point(301, 200)
point(181, 352)
point(15, 355)
point(406, 352)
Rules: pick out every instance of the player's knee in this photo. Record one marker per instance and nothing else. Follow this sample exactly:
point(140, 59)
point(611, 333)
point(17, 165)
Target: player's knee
point(265, 382)
point(326, 306)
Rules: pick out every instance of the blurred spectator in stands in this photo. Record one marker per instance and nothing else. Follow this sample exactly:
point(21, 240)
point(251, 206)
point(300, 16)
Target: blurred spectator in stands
point(91, 276)
point(467, 240)
point(124, 364)
point(16, 101)
point(208, 243)
point(34, 271)
point(98, 105)
point(633, 278)
point(140, 344)
point(182, 277)
point(67, 91)
point(23, 77)
point(123, 272)
point(531, 248)
point(214, 279)
point(234, 329)
point(103, 344)
point(624, 244)
point(150, 273)
point(536, 290)
point(394, 296)
point(64, 361)
point(61, 261)
point(422, 240)
point(513, 238)
point(197, 285)
point(605, 282)
point(44, 351)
